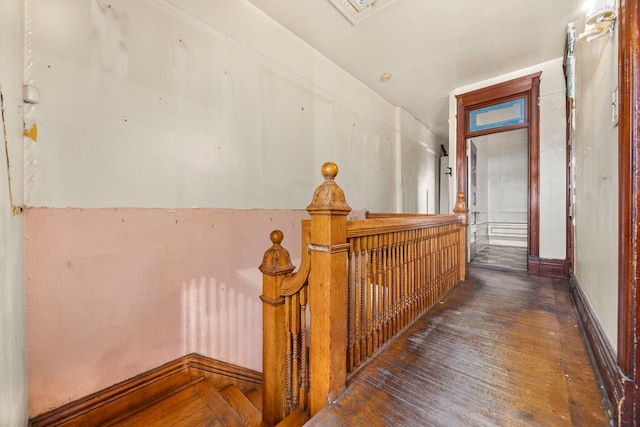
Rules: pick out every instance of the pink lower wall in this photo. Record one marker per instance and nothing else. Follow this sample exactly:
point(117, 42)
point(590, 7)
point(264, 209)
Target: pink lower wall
point(112, 293)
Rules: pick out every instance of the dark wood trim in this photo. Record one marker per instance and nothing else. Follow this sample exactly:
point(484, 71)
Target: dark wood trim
point(601, 353)
point(529, 87)
point(570, 229)
point(569, 105)
point(628, 209)
point(124, 397)
point(534, 167)
point(547, 266)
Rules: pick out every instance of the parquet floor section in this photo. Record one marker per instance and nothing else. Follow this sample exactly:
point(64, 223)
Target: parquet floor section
point(503, 349)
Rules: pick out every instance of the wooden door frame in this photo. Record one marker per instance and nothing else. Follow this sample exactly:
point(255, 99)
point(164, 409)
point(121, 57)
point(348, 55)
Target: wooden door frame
point(629, 209)
point(527, 87)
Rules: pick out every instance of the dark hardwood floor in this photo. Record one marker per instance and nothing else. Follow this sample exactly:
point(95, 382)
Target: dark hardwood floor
point(503, 349)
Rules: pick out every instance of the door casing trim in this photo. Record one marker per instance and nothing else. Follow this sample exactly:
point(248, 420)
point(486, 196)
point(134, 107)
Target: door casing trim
point(528, 87)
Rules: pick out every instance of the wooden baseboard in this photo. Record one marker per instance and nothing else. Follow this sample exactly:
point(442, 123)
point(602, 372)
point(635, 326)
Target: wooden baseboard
point(548, 267)
point(112, 402)
point(602, 355)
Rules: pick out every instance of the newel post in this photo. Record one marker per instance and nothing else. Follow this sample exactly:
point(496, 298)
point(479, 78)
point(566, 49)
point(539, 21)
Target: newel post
point(328, 291)
point(461, 210)
point(276, 265)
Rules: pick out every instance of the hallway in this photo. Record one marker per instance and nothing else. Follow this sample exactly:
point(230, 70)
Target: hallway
point(509, 257)
point(503, 349)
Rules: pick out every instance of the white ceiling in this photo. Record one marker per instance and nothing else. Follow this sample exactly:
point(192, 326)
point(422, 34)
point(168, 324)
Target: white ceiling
point(430, 47)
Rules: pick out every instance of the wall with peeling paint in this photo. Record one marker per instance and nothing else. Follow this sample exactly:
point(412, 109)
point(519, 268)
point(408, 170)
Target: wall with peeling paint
point(146, 104)
point(169, 144)
point(595, 184)
point(13, 357)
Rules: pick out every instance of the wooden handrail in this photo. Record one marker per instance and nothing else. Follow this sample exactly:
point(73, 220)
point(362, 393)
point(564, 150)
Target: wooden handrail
point(364, 227)
point(294, 283)
point(362, 281)
point(377, 215)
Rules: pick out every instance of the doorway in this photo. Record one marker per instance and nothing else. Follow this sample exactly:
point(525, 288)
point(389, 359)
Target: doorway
point(504, 107)
point(497, 200)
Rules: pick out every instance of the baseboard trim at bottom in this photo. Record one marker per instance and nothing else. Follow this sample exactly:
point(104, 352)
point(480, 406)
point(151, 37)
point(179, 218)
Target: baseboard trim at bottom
point(547, 267)
point(115, 401)
point(603, 358)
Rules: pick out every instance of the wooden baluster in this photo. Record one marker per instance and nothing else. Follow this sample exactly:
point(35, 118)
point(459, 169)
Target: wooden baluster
point(422, 269)
point(406, 296)
point(461, 210)
point(367, 277)
point(443, 262)
point(400, 281)
point(304, 351)
point(378, 286)
point(397, 281)
point(411, 276)
point(420, 279)
point(276, 265)
point(392, 286)
point(433, 267)
point(393, 271)
point(374, 278)
point(327, 290)
point(295, 371)
point(289, 346)
point(357, 281)
point(351, 322)
point(386, 284)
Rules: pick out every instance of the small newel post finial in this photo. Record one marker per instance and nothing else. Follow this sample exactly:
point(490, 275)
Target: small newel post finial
point(327, 290)
point(276, 259)
point(461, 210)
point(276, 265)
point(329, 196)
point(460, 207)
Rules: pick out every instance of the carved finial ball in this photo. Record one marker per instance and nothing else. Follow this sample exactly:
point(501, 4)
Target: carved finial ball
point(276, 237)
point(460, 196)
point(329, 170)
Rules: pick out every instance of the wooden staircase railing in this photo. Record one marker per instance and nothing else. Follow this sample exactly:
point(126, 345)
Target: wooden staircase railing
point(360, 283)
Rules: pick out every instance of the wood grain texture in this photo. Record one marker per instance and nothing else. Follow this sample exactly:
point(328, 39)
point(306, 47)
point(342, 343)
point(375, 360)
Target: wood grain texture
point(600, 351)
point(629, 208)
point(242, 405)
point(199, 404)
point(129, 396)
point(547, 267)
point(501, 349)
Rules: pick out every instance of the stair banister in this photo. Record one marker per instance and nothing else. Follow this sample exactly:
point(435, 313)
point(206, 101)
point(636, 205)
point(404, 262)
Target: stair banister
point(276, 266)
point(401, 266)
point(327, 290)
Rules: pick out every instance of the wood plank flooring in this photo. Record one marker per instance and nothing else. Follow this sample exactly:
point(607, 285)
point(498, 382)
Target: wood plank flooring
point(503, 349)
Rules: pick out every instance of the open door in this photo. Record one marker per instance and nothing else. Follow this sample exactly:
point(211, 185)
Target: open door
point(472, 199)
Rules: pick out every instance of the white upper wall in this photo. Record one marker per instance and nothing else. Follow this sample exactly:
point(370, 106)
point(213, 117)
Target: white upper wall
point(595, 161)
point(552, 151)
point(420, 165)
point(508, 176)
point(145, 104)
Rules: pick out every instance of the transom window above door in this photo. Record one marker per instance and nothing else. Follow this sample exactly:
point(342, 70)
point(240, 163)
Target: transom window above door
point(497, 115)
